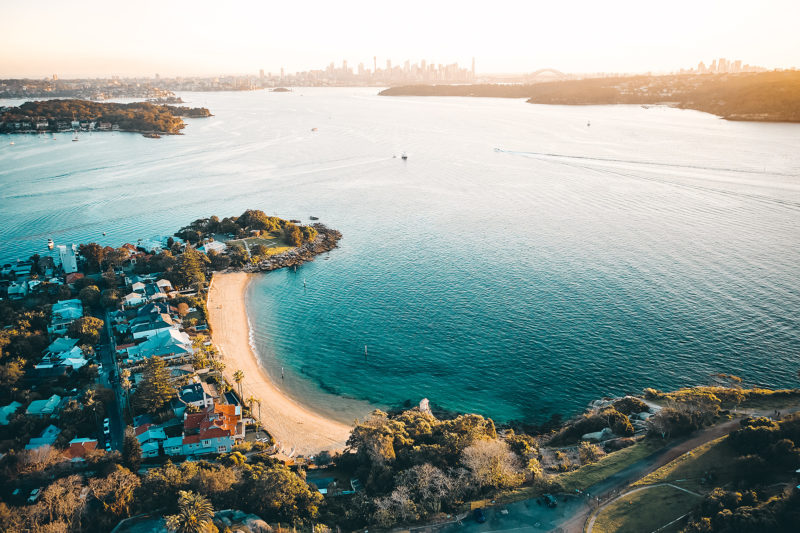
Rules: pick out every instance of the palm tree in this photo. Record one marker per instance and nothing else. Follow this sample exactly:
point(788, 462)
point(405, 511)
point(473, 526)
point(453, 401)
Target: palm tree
point(250, 401)
point(238, 376)
point(195, 514)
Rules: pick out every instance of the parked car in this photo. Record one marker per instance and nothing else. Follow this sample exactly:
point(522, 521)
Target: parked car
point(35, 493)
point(479, 515)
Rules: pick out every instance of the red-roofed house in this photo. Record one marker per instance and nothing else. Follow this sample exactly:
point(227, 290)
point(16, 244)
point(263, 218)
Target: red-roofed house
point(78, 448)
point(215, 429)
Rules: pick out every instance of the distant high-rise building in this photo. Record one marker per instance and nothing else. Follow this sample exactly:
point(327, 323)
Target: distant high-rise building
point(281, 72)
point(389, 64)
point(701, 68)
point(713, 66)
point(374, 64)
point(157, 75)
point(55, 77)
point(344, 66)
point(261, 73)
point(473, 68)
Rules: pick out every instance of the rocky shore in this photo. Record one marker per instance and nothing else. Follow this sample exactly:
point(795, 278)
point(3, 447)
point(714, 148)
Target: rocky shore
point(327, 239)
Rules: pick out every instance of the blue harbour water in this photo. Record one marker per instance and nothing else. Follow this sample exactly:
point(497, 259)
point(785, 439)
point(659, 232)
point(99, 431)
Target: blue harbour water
point(650, 249)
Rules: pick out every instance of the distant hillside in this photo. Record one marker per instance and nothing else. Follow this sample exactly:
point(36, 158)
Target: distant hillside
point(57, 115)
point(764, 96)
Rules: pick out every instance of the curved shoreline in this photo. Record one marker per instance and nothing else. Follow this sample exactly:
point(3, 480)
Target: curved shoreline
point(294, 427)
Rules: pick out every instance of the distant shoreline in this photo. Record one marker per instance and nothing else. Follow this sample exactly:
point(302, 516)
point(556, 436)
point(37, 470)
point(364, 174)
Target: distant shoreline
point(751, 97)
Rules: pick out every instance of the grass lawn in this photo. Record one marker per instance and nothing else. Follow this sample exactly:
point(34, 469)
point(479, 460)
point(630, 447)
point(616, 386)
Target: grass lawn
point(275, 245)
point(688, 469)
point(645, 510)
point(588, 475)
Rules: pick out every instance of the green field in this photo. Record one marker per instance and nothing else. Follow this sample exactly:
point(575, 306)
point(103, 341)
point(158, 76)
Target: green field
point(645, 510)
point(588, 475)
point(276, 245)
point(688, 470)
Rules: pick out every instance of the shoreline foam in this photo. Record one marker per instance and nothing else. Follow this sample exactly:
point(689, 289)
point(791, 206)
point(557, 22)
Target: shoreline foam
point(294, 427)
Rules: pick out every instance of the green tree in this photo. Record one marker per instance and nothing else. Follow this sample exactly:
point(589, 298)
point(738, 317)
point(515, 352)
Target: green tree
point(110, 299)
point(277, 494)
point(195, 514)
point(238, 377)
point(190, 268)
point(94, 255)
point(90, 296)
point(86, 329)
point(155, 389)
point(131, 450)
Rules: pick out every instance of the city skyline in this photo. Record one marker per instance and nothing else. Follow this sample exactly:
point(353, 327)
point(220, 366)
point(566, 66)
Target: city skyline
point(203, 39)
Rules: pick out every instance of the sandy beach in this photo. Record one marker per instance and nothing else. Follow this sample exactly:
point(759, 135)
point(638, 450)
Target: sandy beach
point(293, 426)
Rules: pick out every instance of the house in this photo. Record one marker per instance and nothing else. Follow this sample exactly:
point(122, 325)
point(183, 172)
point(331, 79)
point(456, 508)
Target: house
point(7, 410)
point(70, 279)
point(68, 258)
point(60, 345)
point(144, 327)
point(48, 407)
point(165, 285)
point(64, 313)
point(78, 448)
point(17, 291)
point(215, 429)
point(168, 344)
point(133, 299)
point(195, 394)
point(150, 437)
point(47, 438)
point(216, 246)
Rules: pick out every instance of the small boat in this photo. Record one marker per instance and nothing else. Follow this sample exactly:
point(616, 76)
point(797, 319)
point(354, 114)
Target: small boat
point(50, 244)
point(313, 218)
point(314, 129)
point(404, 156)
point(104, 234)
point(11, 143)
point(75, 137)
point(588, 124)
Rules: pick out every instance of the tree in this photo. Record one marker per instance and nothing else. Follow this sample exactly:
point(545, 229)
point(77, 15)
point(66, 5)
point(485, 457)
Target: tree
point(90, 296)
point(94, 255)
point(110, 299)
point(195, 514)
point(86, 329)
point(131, 450)
point(238, 377)
point(293, 235)
point(125, 383)
point(190, 268)
point(115, 492)
point(589, 453)
point(155, 390)
point(218, 261)
point(277, 494)
point(492, 464)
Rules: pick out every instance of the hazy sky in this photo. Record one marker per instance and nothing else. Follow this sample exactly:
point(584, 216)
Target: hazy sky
point(198, 37)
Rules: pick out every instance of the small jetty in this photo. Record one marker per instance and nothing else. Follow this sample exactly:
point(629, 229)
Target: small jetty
point(151, 135)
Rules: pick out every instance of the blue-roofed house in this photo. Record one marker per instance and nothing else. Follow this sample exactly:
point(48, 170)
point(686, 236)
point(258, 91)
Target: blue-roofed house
point(47, 438)
point(48, 407)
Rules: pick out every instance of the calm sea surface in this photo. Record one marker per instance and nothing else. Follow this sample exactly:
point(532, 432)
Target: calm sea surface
point(652, 248)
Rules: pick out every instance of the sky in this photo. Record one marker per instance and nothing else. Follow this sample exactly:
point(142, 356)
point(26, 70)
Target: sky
point(88, 38)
